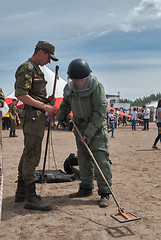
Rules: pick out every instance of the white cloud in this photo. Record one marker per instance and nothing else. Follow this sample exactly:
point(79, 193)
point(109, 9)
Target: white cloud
point(145, 16)
point(149, 9)
point(126, 27)
point(20, 16)
point(72, 21)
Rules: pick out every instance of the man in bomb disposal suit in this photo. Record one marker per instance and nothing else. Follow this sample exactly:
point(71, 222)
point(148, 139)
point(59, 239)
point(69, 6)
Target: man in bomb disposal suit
point(30, 88)
point(85, 96)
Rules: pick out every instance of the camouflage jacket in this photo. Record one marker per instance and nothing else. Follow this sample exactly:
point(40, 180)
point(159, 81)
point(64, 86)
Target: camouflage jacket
point(30, 81)
point(13, 109)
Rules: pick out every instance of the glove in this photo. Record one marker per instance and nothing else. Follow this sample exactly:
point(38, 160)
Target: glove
point(86, 139)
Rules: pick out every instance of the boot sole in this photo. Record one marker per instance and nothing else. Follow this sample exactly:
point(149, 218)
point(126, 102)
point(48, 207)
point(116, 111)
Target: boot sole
point(104, 204)
point(27, 206)
point(80, 196)
point(19, 200)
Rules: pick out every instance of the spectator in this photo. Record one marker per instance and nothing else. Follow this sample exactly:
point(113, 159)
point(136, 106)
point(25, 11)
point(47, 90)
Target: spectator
point(124, 119)
point(13, 116)
point(146, 116)
point(116, 114)
point(134, 116)
point(6, 121)
point(111, 122)
point(158, 118)
point(151, 115)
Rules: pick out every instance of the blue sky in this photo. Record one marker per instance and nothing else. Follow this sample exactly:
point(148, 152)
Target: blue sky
point(120, 39)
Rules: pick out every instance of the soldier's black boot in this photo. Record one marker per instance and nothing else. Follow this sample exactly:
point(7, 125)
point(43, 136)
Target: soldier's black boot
point(20, 192)
point(32, 201)
point(81, 193)
point(14, 135)
point(10, 134)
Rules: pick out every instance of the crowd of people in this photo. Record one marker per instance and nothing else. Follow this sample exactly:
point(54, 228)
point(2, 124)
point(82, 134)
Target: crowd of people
point(125, 117)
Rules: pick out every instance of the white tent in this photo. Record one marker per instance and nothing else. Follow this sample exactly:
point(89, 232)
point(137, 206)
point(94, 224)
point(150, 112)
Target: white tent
point(152, 104)
point(49, 77)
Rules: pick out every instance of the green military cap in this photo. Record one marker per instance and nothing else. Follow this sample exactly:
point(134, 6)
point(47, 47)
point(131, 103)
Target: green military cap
point(49, 48)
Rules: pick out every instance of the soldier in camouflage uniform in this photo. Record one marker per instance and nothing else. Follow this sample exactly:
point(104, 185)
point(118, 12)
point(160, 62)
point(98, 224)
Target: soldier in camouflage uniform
point(2, 99)
point(30, 88)
point(85, 96)
point(13, 116)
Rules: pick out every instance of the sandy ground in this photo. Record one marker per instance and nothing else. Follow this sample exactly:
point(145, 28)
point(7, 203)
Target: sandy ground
point(136, 173)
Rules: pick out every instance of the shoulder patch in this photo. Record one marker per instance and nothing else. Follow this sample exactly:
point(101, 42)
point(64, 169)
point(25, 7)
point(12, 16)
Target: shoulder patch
point(26, 65)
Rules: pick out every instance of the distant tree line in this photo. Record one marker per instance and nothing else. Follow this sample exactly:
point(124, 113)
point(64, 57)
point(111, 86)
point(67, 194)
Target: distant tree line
point(142, 101)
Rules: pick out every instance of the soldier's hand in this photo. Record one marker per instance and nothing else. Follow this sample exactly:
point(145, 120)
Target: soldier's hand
point(52, 100)
point(50, 109)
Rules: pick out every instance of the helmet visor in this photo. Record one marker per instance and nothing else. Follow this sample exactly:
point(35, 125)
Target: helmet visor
point(80, 85)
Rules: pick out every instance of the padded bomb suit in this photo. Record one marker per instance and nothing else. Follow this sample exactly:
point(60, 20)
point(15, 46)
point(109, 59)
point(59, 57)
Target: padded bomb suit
point(89, 110)
point(30, 80)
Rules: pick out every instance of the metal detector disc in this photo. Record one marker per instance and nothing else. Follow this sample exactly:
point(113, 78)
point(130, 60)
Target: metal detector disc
point(125, 217)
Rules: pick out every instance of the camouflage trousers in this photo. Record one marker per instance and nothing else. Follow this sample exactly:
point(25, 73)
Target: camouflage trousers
point(13, 124)
point(33, 124)
point(30, 158)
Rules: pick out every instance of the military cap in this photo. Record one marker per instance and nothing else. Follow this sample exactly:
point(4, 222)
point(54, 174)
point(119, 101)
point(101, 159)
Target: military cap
point(49, 48)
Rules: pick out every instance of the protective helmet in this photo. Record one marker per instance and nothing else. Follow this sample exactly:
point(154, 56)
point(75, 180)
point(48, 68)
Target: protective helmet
point(79, 77)
point(78, 69)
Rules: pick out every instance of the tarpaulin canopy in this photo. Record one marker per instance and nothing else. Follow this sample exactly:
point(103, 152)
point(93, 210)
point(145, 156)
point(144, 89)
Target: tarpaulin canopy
point(9, 97)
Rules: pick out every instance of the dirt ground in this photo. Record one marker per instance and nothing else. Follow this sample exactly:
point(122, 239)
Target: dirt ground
point(136, 173)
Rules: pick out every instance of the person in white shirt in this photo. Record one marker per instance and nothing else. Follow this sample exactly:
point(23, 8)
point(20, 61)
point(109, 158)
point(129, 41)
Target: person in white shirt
point(111, 120)
point(146, 116)
point(134, 115)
